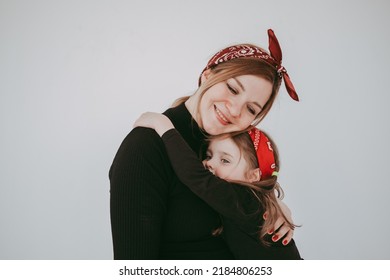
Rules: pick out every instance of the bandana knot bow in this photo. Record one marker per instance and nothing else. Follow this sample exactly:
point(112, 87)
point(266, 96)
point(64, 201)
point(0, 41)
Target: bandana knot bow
point(274, 58)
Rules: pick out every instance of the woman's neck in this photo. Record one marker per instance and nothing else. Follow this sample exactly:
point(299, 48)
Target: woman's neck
point(192, 107)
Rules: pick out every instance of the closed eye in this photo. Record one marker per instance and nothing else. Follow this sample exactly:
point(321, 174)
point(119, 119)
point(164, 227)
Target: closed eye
point(251, 110)
point(231, 89)
point(208, 156)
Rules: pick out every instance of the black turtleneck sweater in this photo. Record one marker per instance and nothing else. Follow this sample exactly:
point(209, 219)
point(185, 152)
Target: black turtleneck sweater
point(153, 215)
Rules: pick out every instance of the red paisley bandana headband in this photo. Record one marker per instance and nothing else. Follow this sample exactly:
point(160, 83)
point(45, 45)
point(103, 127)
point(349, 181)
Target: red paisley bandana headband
point(274, 58)
point(264, 153)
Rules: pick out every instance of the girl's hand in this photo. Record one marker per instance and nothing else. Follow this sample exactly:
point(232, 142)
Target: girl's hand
point(159, 122)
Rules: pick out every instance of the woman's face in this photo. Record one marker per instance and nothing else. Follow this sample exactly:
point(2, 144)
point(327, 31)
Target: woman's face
point(232, 105)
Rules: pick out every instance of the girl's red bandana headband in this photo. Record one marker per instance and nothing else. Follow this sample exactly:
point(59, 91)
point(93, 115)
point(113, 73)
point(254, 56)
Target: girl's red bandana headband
point(264, 153)
point(274, 58)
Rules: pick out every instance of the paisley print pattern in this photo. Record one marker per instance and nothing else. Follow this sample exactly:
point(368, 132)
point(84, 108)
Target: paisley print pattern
point(274, 58)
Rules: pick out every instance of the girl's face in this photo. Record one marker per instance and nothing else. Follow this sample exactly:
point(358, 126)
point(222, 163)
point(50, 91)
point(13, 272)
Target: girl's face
point(233, 105)
point(224, 160)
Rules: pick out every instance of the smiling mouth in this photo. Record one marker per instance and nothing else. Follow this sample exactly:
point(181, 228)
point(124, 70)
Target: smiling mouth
point(221, 117)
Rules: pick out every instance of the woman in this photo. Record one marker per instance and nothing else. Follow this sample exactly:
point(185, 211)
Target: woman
point(153, 215)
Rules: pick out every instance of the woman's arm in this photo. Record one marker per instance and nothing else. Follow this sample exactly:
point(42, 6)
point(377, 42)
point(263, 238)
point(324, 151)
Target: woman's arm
point(138, 195)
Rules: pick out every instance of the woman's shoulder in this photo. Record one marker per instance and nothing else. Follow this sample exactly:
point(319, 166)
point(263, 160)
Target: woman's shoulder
point(141, 145)
point(141, 140)
point(142, 134)
point(142, 149)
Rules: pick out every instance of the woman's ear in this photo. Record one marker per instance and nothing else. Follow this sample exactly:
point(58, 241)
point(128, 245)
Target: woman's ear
point(254, 175)
point(205, 76)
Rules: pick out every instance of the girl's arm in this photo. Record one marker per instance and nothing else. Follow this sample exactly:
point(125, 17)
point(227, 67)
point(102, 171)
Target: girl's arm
point(159, 122)
point(216, 192)
point(222, 196)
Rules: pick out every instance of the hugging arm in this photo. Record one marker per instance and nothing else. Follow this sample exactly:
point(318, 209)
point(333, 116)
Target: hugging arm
point(221, 195)
point(213, 190)
point(210, 188)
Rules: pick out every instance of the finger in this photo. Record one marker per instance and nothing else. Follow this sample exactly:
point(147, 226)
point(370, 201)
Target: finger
point(279, 222)
point(288, 237)
point(270, 229)
point(135, 124)
point(141, 120)
point(276, 226)
point(138, 122)
point(281, 233)
point(279, 230)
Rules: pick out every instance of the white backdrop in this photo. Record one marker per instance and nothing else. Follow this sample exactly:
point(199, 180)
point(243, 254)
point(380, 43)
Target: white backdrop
point(74, 75)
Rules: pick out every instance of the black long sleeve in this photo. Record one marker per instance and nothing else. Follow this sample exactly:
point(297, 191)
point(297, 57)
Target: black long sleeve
point(239, 208)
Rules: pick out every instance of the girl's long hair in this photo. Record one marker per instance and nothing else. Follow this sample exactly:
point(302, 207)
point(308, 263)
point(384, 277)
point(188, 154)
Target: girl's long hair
point(266, 191)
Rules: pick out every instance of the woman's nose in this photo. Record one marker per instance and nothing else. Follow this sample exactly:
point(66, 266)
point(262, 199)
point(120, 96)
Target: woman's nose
point(234, 109)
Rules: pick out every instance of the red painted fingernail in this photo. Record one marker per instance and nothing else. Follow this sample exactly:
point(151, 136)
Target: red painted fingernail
point(275, 237)
point(284, 242)
point(270, 231)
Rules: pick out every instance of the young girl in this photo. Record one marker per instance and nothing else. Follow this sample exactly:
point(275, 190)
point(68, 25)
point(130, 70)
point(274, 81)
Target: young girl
point(237, 179)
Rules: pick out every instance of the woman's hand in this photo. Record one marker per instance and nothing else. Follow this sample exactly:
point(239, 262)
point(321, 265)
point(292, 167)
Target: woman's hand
point(159, 122)
point(283, 229)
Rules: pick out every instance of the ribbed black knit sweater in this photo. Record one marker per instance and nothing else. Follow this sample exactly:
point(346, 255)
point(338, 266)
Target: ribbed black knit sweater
point(153, 215)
